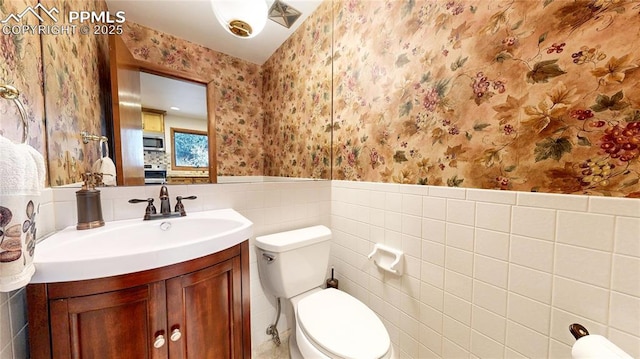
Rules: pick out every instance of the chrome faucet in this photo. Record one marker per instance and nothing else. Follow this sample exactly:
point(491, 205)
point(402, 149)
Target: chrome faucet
point(165, 205)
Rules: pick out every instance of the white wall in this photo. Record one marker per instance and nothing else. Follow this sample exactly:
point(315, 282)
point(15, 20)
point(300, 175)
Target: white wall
point(491, 274)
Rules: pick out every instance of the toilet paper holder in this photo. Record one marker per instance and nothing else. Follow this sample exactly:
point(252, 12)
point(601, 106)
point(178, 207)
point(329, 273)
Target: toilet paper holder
point(578, 331)
point(593, 345)
point(387, 258)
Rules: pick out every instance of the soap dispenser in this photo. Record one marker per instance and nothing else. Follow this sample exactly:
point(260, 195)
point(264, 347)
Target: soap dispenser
point(88, 202)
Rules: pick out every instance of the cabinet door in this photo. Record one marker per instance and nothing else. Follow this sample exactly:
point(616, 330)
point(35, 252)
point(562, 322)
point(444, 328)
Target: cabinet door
point(119, 324)
point(206, 308)
point(152, 121)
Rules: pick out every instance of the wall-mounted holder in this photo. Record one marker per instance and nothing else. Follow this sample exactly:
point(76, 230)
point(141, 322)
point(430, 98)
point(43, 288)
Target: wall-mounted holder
point(387, 258)
point(593, 346)
point(9, 92)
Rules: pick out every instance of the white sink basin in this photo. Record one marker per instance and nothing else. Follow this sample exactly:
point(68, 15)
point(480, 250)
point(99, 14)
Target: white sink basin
point(134, 245)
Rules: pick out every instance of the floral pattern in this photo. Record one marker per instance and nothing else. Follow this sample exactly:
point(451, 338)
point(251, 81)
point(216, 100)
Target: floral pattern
point(238, 96)
point(517, 95)
point(30, 229)
point(297, 101)
point(21, 63)
point(10, 242)
point(76, 84)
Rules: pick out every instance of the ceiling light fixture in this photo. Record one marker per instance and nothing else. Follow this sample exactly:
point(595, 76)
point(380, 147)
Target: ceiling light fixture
point(241, 18)
point(174, 108)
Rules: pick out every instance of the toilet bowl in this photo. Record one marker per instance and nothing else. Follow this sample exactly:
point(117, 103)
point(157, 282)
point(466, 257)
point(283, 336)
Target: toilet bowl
point(328, 323)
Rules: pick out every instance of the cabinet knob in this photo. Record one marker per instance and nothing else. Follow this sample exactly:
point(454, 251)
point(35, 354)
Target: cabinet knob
point(175, 335)
point(159, 341)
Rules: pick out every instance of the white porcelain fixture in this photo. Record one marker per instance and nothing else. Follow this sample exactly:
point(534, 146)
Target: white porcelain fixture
point(387, 258)
point(328, 323)
point(134, 245)
point(242, 18)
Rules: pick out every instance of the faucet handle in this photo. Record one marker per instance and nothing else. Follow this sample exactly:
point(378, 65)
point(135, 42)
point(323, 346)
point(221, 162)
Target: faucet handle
point(180, 206)
point(151, 209)
point(190, 197)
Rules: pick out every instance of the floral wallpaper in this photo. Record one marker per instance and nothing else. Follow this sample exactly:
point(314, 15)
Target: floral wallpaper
point(77, 86)
point(519, 95)
point(238, 96)
point(21, 63)
point(297, 101)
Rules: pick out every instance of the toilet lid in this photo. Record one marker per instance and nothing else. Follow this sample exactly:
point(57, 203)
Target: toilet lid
point(342, 325)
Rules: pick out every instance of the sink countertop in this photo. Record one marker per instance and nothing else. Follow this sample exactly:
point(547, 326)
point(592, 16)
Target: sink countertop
point(134, 245)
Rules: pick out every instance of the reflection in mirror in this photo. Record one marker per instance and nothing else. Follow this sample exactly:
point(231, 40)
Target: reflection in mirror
point(189, 149)
point(170, 105)
point(76, 83)
point(264, 119)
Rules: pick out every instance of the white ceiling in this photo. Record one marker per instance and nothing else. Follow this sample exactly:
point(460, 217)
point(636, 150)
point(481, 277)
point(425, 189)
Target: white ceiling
point(161, 93)
point(194, 20)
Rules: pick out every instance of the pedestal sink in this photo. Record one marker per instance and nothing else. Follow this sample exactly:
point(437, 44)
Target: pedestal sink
point(129, 246)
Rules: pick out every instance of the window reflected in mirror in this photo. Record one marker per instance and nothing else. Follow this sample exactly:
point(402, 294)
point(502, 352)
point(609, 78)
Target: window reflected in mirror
point(190, 150)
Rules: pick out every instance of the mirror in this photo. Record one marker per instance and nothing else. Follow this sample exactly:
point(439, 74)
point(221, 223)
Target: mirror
point(262, 128)
point(174, 118)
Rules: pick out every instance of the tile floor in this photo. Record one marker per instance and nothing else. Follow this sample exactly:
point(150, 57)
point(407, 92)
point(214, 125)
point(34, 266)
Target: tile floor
point(269, 350)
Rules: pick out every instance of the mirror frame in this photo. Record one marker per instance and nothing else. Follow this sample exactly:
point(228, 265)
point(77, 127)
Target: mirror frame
point(117, 45)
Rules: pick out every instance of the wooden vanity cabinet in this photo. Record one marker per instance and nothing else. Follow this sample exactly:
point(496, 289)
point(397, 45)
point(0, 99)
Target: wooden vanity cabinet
point(193, 310)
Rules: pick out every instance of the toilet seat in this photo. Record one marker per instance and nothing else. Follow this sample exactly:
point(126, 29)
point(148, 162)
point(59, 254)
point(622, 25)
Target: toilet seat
point(342, 326)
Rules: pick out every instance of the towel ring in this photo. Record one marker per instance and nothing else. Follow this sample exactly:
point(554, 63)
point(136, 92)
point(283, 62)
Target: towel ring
point(104, 151)
point(11, 93)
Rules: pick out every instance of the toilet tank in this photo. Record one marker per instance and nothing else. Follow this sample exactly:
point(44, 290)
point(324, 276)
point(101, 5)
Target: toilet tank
point(293, 262)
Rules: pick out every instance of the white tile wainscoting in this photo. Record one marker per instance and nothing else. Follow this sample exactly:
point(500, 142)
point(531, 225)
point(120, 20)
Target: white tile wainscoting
point(491, 274)
point(488, 274)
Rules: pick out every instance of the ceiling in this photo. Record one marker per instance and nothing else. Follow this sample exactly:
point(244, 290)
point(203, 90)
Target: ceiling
point(162, 93)
point(194, 20)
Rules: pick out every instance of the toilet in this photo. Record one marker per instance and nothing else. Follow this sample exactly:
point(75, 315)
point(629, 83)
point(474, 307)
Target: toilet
point(329, 323)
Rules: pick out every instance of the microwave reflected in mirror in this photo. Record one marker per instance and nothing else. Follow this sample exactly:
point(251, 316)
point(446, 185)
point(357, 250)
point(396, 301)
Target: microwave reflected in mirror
point(153, 142)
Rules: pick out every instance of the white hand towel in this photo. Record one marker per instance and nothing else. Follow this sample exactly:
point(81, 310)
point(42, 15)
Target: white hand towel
point(22, 169)
point(38, 159)
point(106, 166)
point(22, 172)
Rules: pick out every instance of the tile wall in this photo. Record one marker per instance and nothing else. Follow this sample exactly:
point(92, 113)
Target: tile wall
point(491, 274)
point(157, 158)
point(13, 325)
point(272, 207)
point(488, 274)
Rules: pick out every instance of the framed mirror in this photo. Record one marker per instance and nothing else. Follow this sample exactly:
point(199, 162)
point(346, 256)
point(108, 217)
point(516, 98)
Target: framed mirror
point(127, 73)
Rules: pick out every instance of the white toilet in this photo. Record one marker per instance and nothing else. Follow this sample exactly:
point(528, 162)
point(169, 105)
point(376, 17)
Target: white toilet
point(328, 323)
